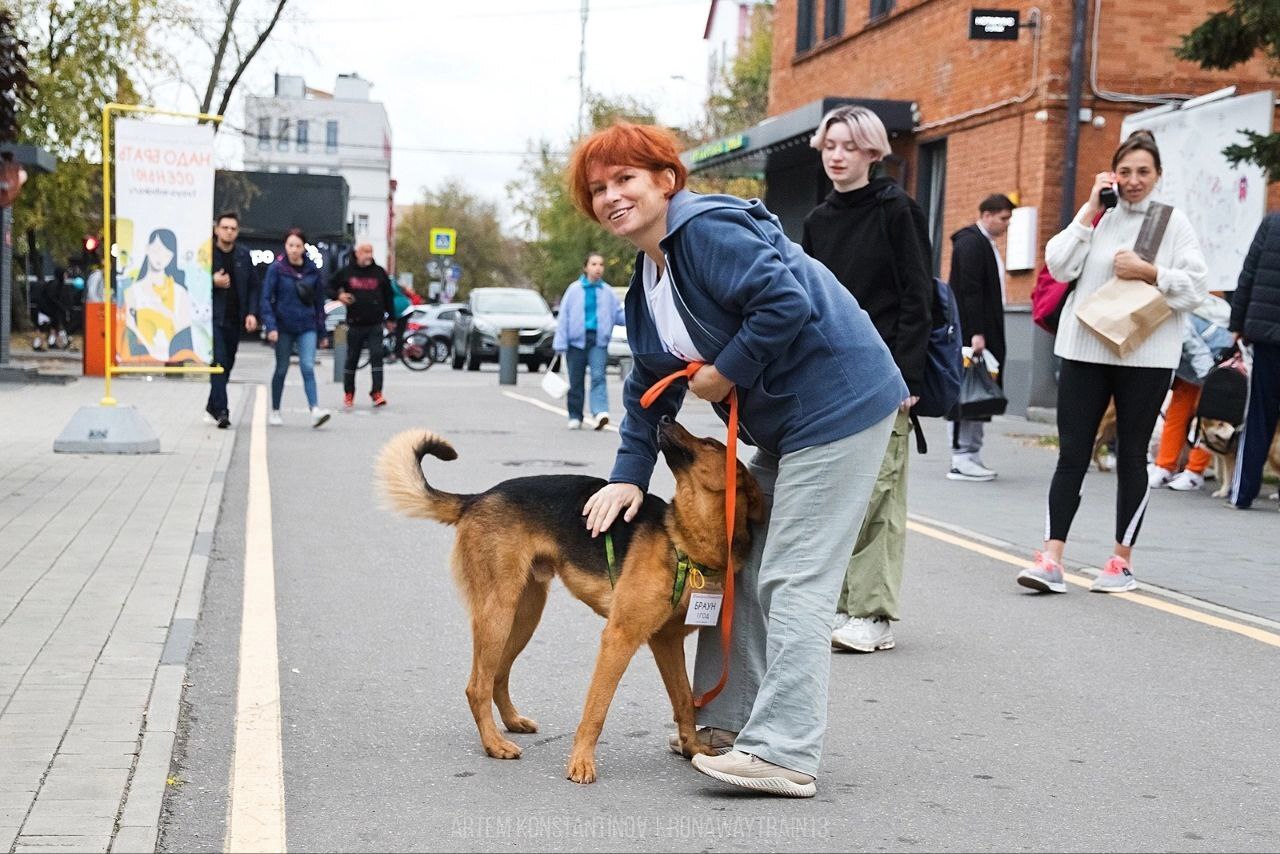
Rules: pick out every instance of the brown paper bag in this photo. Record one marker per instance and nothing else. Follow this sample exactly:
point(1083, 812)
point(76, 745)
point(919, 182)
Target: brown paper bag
point(1123, 312)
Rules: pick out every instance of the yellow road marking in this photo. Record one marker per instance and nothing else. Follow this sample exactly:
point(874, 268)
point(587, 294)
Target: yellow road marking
point(255, 814)
point(542, 404)
point(1252, 632)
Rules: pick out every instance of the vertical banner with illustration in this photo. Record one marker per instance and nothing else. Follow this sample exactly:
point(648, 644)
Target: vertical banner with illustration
point(164, 211)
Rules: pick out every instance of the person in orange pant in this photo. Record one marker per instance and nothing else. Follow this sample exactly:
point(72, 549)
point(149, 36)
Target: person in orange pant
point(1177, 421)
point(1204, 338)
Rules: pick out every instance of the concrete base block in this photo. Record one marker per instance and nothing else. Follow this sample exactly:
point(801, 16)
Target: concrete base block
point(107, 430)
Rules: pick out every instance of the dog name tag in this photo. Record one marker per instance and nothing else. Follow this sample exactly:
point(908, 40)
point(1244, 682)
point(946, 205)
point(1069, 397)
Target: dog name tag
point(704, 609)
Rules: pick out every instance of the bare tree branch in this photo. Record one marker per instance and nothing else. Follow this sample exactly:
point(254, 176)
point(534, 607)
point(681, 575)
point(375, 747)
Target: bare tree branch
point(248, 58)
point(218, 54)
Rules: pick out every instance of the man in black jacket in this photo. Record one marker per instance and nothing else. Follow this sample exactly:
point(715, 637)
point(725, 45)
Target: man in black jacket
point(1255, 320)
point(236, 288)
point(977, 280)
point(365, 289)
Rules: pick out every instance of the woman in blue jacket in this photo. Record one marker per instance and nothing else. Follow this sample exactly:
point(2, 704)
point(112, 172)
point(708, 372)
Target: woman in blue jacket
point(292, 312)
point(716, 281)
point(589, 310)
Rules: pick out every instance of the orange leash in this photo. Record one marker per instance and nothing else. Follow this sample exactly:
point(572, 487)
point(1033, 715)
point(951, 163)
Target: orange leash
point(730, 500)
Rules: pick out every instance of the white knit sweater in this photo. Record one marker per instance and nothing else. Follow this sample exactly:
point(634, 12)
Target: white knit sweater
point(1088, 255)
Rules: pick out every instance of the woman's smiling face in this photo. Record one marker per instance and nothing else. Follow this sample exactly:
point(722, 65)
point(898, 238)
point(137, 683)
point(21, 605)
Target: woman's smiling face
point(631, 201)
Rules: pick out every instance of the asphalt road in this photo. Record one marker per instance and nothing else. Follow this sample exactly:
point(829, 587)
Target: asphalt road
point(1003, 721)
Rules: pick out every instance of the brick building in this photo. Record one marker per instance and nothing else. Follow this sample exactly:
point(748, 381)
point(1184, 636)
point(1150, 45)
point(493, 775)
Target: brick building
point(969, 117)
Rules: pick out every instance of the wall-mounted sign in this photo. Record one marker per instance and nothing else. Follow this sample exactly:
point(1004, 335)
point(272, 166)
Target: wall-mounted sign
point(719, 147)
point(1000, 24)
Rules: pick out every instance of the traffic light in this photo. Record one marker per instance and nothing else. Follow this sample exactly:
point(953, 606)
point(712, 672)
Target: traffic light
point(91, 244)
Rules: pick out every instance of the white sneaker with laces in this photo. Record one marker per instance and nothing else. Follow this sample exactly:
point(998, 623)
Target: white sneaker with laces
point(1157, 477)
point(274, 418)
point(963, 468)
point(864, 634)
point(1186, 481)
point(575, 424)
point(318, 416)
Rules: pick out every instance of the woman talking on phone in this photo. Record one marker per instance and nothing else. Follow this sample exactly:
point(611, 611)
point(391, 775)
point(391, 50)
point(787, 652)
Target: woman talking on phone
point(1091, 251)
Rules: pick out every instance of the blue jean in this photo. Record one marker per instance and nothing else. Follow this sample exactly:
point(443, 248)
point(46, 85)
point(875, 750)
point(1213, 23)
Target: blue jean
point(784, 597)
point(1261, 417)
point(306, 342)
point(577, 360)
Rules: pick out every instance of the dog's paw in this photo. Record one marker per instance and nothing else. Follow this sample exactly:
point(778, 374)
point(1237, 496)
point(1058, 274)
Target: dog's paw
point(501, 748)
point(520, 724)
point(1222, 491)
point(582, 769)
point(692, 747)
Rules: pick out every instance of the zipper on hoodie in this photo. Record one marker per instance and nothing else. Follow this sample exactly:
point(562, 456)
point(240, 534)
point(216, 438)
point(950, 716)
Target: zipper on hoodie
point(676, 290)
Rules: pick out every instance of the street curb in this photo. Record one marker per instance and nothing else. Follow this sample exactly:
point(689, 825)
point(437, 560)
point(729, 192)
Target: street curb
point(138, 828)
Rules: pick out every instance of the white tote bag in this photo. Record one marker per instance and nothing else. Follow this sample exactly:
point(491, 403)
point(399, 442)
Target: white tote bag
point(553, 384)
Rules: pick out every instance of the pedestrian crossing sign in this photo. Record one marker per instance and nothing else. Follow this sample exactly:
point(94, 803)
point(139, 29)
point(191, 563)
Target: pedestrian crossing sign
point(444, 241)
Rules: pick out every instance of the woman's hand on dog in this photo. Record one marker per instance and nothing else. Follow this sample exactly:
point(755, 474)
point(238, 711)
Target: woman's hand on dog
point(603, 507)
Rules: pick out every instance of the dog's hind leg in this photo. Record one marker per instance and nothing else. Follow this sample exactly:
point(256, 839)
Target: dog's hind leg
point(668, 652)
point(528, 613)
point(490, 628)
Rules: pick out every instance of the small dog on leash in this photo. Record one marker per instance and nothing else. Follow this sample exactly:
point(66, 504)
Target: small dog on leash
point(1222, 434)
point(516, 537)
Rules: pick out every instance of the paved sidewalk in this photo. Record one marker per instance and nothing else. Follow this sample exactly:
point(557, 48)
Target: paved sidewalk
point(102, 561)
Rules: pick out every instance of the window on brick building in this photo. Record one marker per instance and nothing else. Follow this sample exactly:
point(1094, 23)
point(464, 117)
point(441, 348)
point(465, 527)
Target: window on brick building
point(805, 21)
point(833, 22)
point(880, 8)
point(931, 193)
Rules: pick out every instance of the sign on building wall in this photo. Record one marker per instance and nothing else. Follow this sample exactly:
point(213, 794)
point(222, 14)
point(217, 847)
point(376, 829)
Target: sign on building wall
point(999, 24)
point(1225, 203)
point(164, 215)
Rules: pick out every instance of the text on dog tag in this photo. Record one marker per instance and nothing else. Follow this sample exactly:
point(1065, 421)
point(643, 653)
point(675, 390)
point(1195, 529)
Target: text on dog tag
point(704, 609)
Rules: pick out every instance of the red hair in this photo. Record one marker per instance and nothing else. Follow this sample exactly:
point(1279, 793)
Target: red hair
point(623, 144)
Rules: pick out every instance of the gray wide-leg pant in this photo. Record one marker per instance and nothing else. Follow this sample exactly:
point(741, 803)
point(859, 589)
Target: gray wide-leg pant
point(785, 597)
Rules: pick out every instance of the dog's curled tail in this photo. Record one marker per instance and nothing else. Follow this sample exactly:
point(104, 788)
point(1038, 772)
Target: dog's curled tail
point(404, 486)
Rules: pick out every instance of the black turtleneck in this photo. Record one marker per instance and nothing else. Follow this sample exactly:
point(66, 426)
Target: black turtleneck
point(875, 240)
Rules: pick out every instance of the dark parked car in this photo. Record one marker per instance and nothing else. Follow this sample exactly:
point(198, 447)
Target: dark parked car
point(490, 310)
point(437, 322)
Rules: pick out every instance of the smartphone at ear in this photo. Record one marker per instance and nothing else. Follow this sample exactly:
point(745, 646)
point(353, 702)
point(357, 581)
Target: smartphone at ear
point(1108, 197)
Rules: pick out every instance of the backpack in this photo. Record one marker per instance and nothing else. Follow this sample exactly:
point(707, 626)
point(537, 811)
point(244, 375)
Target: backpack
point(944, 361)
point(1223, 398)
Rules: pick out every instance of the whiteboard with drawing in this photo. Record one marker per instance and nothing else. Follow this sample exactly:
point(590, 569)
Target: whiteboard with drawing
point(1224, 203)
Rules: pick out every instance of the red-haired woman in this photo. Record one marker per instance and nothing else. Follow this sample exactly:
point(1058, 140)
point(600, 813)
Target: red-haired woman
point(717, 281)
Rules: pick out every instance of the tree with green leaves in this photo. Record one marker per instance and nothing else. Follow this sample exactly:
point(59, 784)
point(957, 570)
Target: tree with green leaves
point(487, 257)
point(1225, 40)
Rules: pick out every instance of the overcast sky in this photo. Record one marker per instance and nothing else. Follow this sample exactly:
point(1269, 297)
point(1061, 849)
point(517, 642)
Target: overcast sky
point(486, 77)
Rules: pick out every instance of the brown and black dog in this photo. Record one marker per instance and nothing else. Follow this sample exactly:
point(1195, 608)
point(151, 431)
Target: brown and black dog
point(514, 538)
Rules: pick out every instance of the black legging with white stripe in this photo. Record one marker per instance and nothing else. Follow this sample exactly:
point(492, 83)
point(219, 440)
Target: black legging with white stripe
point(1084, 390)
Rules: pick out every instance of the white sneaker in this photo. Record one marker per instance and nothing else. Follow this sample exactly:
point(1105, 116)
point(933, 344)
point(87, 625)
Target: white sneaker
point(1157, 477)
point(274, 418)
point(601, 420)
point(575, 424)
point(1186, 481)
point(864, 634)
point(963, 468)
point(318, 416)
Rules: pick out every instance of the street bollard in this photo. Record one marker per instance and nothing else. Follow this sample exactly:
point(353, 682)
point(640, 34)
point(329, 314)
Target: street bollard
point(339, 351)
point(508, 356)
